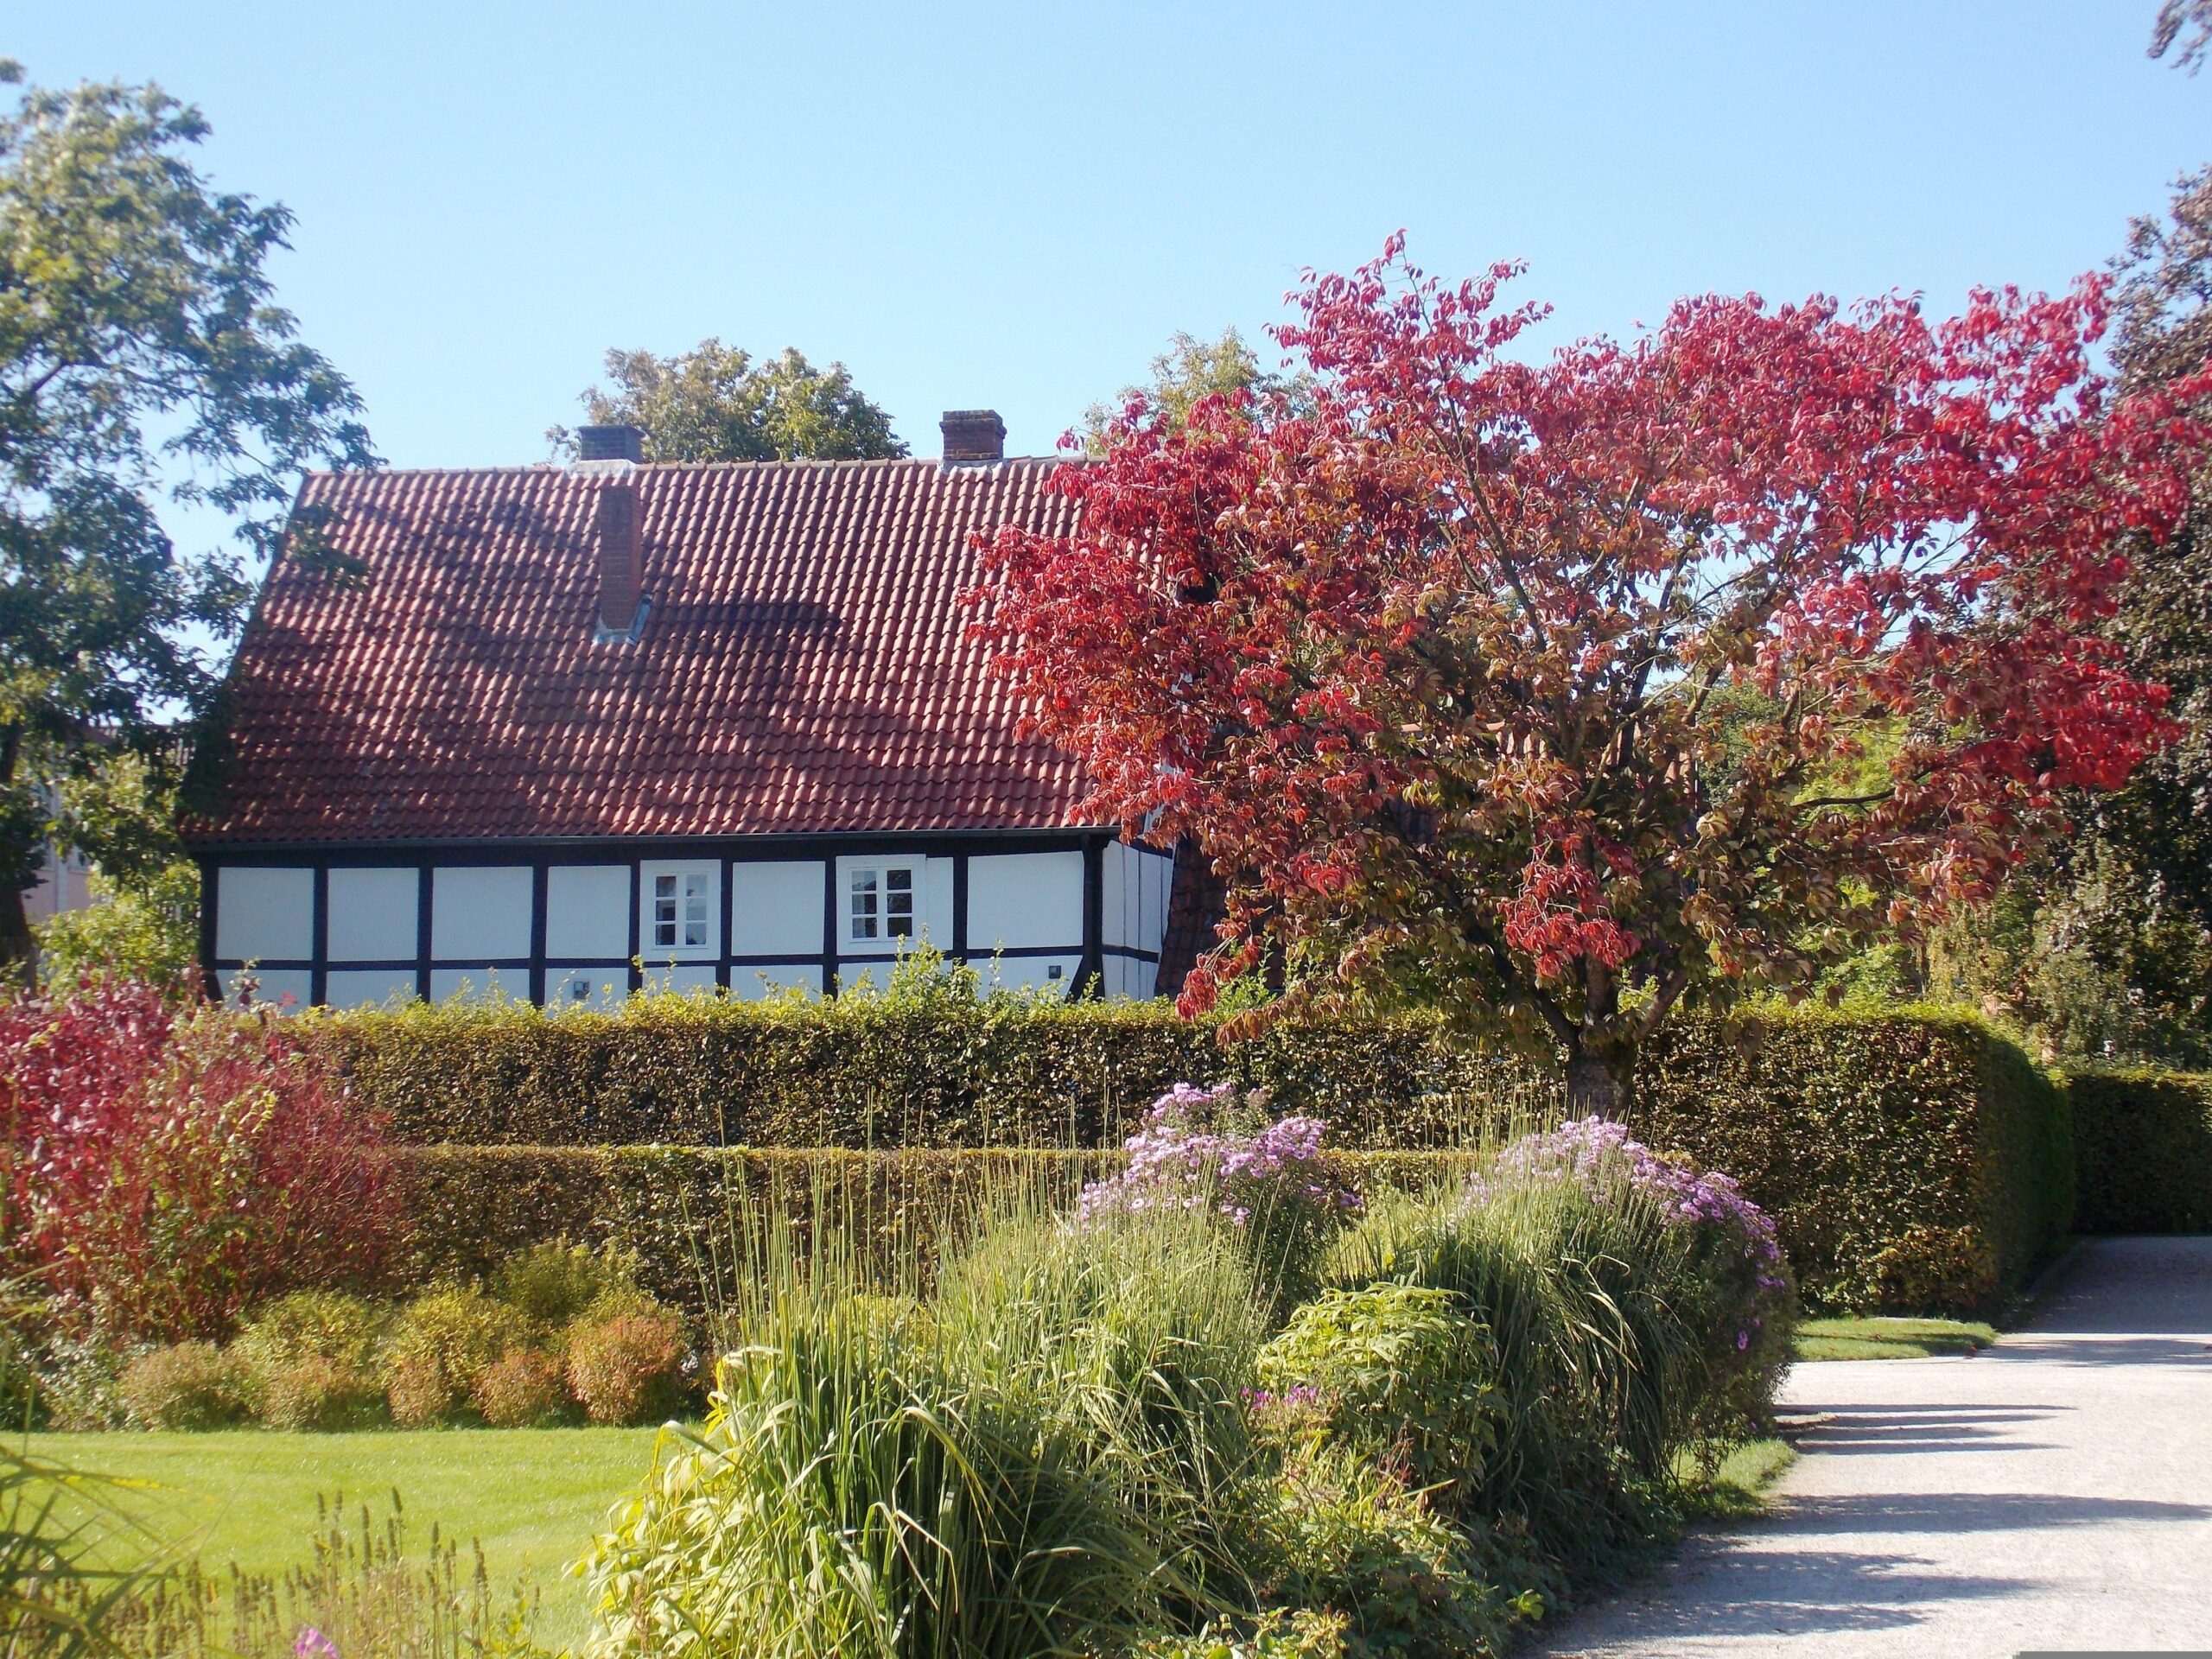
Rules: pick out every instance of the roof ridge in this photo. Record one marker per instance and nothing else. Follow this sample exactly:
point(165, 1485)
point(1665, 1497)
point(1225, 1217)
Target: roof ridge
point(650, 467)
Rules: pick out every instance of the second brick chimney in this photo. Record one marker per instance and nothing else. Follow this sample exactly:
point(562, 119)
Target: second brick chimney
point(972, 437)
point(620, 520)
point(610, 443)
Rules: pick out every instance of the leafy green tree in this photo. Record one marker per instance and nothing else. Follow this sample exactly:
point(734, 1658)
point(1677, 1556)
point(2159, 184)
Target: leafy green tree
point(715, 403)
point(1188, 370)
point(140, 355)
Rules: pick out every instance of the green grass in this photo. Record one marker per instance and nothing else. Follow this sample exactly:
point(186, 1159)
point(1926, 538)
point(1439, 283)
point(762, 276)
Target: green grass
point(1737, 1490)
point(532, 1497)
point(1886, 1338)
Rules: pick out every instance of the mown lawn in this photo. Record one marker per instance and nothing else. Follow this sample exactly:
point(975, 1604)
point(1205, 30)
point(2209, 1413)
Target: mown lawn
point(1888, 1339)
point(532, 1497)
point(1738, 1489)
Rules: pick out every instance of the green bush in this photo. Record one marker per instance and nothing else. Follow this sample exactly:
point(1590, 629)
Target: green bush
point(2143, 1142)
point(1339, 1533)
point(1400, 1372)
point(311, 1359)
point(552, 1283)
point(189, 1385)
point(438, 1346)
point(1280, 1633)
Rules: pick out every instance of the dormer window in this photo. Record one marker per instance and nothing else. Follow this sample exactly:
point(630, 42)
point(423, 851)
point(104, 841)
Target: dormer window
point(679, 911)
point(880, 903)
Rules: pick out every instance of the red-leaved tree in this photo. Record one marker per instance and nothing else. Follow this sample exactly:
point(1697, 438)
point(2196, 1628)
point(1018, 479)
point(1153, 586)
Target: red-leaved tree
point(164, 1168)
point(1563, 693)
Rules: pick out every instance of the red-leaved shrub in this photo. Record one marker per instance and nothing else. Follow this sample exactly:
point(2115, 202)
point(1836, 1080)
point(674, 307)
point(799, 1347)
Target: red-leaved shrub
point(165, 1167)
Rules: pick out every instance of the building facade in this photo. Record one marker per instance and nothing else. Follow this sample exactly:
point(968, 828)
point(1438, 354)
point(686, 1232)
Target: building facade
point(560, 732)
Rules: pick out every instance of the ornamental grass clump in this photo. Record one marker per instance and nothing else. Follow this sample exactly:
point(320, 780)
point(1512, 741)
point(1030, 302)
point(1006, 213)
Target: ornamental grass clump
point(1208, 1149)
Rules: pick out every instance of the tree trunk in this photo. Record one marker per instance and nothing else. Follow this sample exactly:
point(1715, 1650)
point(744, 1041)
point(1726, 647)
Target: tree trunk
point(18, 949)
point(1601, 1083)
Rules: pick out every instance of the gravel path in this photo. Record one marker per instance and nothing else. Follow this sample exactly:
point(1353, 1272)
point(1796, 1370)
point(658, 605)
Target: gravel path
point(2054, 1491)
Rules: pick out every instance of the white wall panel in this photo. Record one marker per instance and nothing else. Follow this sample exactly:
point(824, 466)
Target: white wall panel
point(275, 985)
point(678, 977)
point(1021, 973)
point(1158, 880)
point(478, 912)
point(588, 911)
point(1018, 899)
point(776, 908)
point(478, 984)
point(602, 988)
point(262, 913)
point(1118, 879)
point(372, 914)
point(754, 984)
point(362, 987)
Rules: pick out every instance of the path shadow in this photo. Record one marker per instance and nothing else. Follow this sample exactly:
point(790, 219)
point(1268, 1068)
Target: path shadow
point(2066, 1349)
point(1954, 1512)
point(1848, 1430)
point(1763, 1593)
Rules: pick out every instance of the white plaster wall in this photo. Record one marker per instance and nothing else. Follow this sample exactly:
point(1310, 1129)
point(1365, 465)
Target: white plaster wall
point(372, 915)
point(1118, 882)
point(755, 984)
point(275, 985)
point(262, 913)
point(933, 906)
point(678, 976)
point(478, 984)
point(588, 911)
point(776, 908)
point(1022, 973)
point(478, 912)
point(604, 989)
point(1019, 900)
point(361, 987)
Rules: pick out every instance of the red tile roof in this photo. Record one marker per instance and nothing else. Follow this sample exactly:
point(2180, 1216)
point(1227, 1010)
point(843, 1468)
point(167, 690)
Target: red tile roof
point(803, 667)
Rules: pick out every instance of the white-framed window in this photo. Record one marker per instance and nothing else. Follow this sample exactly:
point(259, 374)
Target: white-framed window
point(679, 911)
point(882, 903)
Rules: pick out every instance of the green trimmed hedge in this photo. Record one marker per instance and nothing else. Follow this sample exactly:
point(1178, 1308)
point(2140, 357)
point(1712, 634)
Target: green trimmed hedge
point(2144, 1142)
point(1913, 1161)
point(861, 1072)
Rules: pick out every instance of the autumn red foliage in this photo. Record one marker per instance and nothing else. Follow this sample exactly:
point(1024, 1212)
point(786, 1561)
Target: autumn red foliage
point(164, 1167)
point(1563, 692)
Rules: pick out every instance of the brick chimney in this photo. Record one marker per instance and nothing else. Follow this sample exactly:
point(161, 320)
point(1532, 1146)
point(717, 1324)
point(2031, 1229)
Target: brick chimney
point(620, 520)
point(610, 443)
point(972, 435)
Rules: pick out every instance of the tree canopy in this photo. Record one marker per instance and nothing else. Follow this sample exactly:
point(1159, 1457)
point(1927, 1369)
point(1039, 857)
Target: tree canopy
point(1561, 694)
point(141, 355)
point(1188, 370)
point(715, 403)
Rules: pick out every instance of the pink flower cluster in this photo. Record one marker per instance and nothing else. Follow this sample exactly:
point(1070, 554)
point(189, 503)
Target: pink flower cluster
point(1188, 1156)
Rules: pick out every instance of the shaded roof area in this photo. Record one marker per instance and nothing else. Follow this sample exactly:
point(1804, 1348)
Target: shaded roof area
point(803, 667)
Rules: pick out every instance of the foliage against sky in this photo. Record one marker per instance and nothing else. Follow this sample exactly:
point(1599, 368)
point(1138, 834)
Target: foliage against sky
point(1521, 686)
point(715, 403)
point(141, 355)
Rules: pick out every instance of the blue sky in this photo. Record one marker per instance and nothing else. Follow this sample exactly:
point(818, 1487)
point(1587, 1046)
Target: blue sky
point(1015, 205)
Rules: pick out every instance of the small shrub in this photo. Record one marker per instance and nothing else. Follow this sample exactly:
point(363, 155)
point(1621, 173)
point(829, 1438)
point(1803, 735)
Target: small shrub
point(1399, 1372)
point(1338, 1533)
point(552, 1284)
point(310, 1357)
point(315, 1392)
point(522, 1388)
point(1280, 1633)
point(624, 1368)
point(438, 1347)
point(188, 1385)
